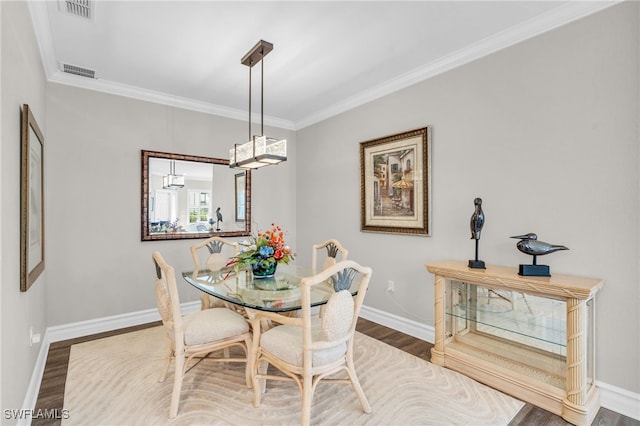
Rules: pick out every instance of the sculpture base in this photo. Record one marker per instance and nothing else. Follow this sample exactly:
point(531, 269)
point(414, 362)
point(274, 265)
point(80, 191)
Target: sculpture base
point(534, 271)
point(477, 264)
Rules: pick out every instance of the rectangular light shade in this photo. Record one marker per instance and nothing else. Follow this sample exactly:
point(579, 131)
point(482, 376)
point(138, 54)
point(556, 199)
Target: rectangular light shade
point(259, 152)
point(173, 181)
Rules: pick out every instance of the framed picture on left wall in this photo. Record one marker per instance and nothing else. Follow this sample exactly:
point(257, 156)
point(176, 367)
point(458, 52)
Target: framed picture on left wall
point(31, 200)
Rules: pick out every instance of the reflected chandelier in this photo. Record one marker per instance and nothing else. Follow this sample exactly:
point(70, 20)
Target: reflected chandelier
point(172, 180)
point(260, 150)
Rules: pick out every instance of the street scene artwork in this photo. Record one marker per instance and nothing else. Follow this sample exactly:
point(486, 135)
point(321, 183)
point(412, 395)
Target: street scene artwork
point(393, 188)
point(395, 182)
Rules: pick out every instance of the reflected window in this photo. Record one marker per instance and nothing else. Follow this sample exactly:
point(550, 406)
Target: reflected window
point(199, 206)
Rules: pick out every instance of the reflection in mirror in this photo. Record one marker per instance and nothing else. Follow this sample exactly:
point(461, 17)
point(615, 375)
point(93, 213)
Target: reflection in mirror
point(185, 196)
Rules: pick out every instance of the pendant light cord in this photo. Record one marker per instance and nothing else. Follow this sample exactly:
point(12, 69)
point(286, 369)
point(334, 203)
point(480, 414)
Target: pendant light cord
point(250, 67)
point(262, 94)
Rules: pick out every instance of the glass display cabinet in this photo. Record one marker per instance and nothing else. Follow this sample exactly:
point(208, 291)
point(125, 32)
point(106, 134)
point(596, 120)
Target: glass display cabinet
point(531, 337)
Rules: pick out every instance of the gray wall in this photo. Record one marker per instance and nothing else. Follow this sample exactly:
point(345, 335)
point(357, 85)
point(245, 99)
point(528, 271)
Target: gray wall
point(546, 132)
point(97, 265)
point(23, 82)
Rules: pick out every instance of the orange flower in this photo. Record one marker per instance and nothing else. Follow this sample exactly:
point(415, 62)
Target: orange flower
point(269, 245)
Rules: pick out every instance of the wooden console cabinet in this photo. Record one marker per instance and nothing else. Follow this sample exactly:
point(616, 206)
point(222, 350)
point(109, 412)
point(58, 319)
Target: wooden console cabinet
point(530, 337)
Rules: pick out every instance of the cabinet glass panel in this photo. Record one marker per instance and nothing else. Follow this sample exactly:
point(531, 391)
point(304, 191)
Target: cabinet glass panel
point(521, 331)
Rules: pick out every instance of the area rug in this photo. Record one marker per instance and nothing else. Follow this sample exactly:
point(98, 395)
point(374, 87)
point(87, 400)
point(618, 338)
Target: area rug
point(114, 381)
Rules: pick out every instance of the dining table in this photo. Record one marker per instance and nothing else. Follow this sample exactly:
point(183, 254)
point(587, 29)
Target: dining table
point(280, 293)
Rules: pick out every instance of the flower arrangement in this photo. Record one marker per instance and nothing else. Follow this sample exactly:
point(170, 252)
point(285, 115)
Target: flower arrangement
point(266, 250)
point(167, 227)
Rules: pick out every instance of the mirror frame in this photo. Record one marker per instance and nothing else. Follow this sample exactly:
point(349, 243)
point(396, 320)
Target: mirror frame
point(144, 196)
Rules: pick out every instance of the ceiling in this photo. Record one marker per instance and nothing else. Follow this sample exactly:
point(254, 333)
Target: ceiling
point(328, 56)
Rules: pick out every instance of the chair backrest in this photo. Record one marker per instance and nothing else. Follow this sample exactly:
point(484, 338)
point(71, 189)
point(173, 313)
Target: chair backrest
point(333, 247)
point(215, 259)
point(167, 299)
point(341, 311)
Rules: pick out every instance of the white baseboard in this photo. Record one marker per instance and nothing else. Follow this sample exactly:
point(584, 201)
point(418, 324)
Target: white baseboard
point(100, 325)
point(619, 400)
point(404, 325)
point(611, 397)
point(31, 397)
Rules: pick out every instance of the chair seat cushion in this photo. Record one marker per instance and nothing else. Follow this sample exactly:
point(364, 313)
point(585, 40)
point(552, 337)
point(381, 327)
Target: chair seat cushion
point(213, 324)
point(285, 342)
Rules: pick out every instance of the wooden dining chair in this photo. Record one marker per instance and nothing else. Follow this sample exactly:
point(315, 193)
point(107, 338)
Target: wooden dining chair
point(309, 349)
point(214, 261)
point(332, 247)
point(195, 336)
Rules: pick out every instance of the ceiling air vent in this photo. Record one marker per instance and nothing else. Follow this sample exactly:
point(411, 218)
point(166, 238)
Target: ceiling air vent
point(82, 72)
point(81, 8)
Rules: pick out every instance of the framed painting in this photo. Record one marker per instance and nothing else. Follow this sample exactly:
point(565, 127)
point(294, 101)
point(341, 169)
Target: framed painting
point(31, 201)
point(395, 183)
point(241, 196)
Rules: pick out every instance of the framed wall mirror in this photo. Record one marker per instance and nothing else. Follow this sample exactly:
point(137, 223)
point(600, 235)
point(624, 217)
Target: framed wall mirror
point(185, 196)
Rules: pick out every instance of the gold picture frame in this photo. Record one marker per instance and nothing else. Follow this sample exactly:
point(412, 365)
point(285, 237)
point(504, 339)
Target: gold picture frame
point(31, 200)
point(395, 183)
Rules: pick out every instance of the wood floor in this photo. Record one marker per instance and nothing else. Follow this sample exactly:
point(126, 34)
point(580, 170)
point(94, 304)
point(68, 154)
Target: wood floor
point(51, 395)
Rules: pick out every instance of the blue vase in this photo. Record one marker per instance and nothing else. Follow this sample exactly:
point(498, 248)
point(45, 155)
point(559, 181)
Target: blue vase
point(264, 269)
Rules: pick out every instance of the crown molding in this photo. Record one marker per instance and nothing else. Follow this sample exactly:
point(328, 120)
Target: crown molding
point(555, 18)
point(138, 93)
point(41, 26)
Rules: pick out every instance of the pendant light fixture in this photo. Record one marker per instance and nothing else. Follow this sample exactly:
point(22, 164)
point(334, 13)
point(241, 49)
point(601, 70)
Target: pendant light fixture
point(172, 180)
point(260, 150)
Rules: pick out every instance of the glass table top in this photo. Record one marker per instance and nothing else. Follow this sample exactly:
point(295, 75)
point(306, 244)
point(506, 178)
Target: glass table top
point(280, 293)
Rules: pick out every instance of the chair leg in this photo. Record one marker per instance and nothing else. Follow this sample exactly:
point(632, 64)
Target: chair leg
point(356, 386)
point(165, 369)
point(204, 302)
point(321, 311)
point(177, 385)
point(307, 396)
point(249, 365)
point(259, 385)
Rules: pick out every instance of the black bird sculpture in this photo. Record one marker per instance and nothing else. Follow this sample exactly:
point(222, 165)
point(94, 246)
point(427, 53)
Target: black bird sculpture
point(529, 244)
point(219, 217)
point(476, 223)
point(477, 219)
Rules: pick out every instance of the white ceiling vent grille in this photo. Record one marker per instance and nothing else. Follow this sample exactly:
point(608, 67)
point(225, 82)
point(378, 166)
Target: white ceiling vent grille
point(75, 70)
point(81, 8)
